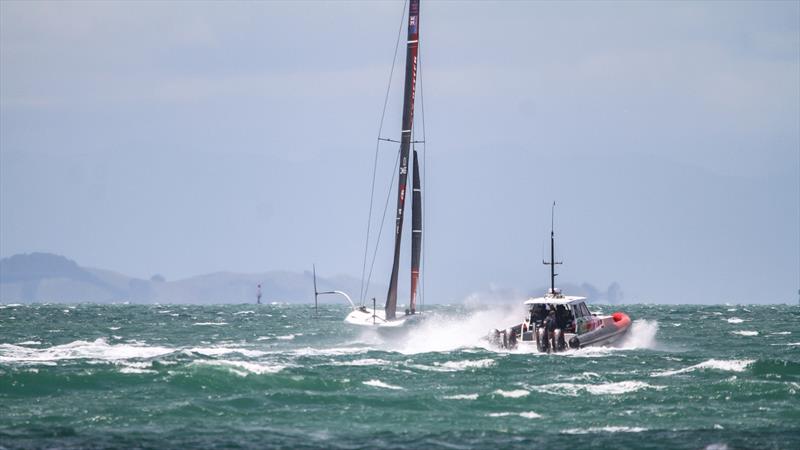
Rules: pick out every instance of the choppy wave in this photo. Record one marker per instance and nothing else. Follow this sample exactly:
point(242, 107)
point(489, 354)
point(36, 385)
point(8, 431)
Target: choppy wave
point(243, 368)
point(516, 393)
point(609, 429)
point(525, 415)
point(381, 384)
point(98, 349)
point(340, 387)
point(461, 397)
point(736, 365)
point(574, 390)
point(745, 333)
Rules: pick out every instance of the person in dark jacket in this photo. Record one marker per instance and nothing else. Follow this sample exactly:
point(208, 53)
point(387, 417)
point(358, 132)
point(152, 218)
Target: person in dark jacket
point(550, 325)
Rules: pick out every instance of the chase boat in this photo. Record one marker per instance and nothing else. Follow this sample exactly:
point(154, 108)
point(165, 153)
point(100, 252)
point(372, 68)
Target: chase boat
point(555, 321)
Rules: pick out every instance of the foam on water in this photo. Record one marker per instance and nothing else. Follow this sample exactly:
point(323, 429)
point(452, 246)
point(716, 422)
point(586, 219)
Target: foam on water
point(243, 368)
point(734, 320)
point(574, 390)
point(745, 333)
point(455, 366)
point(461, 397)
point(735, 365)
point(364, 362)
point(218, 351)
point(209, 323)
point(517, 393)
point(604, 430)
point(525, 415)
point(381, 384)
point(95, 350)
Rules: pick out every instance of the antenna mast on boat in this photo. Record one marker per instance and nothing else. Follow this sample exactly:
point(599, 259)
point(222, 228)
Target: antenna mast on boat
point(552, 262)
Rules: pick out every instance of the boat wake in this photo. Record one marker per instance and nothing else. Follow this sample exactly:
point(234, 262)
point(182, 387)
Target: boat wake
point(442, 332)
point(641, 335)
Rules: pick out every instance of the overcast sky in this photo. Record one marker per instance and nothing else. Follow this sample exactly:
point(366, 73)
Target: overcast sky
point(185, 138)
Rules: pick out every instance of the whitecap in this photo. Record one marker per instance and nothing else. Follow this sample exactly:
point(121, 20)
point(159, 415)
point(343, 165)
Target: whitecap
point(574, 390)
point(517, 393)
point(745, 333)
point(96, 350)
point(132, 370)
point(734, 320)
point(288, 337)
point(467, 364)
point(136, 367)
point(217, 351)
point(243, 312)
point(781, 333)
point(114, 328)
point(735, 365)
point(603, 430)
point(364, 362)
point(210, 323)
point(381, 384)
point(461, 397)
point(335, 351)
point(455, 366)
point(244, 368)
point(585, 376)
point(525, 415)
point(29, 343)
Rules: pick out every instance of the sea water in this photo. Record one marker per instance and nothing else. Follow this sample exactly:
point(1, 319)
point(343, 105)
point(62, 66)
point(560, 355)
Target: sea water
point(285, 376)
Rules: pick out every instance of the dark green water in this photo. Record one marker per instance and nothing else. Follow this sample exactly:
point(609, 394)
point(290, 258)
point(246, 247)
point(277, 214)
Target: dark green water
point(276, 376)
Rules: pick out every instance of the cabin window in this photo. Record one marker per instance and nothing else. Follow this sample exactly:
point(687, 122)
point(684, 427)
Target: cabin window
point(585, 310)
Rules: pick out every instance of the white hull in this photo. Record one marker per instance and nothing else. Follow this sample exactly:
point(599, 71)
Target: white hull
point(367, 317)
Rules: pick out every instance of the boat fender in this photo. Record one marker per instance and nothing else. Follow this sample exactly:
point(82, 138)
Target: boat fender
point(575, 342)
point(621, 320)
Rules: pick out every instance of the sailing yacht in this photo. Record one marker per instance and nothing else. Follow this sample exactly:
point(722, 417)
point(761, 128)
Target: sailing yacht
point(388, 316)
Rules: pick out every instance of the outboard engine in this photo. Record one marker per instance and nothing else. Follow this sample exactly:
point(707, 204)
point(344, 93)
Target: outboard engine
point(542, 342)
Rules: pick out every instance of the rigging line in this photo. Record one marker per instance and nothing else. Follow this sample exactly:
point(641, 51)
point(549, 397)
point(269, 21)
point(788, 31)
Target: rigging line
point(377, 146)
point(383, 219)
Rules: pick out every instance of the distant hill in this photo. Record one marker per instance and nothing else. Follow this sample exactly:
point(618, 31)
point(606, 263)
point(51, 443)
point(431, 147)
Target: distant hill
point(45, 277)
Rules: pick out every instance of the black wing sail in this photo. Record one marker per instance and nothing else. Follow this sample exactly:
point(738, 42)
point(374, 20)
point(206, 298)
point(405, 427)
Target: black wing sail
point(416, 234)
point(405, 144)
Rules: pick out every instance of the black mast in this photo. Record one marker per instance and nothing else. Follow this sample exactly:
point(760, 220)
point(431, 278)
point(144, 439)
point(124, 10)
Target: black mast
point(552, 262)
point(416, 233)
point(405, 144)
